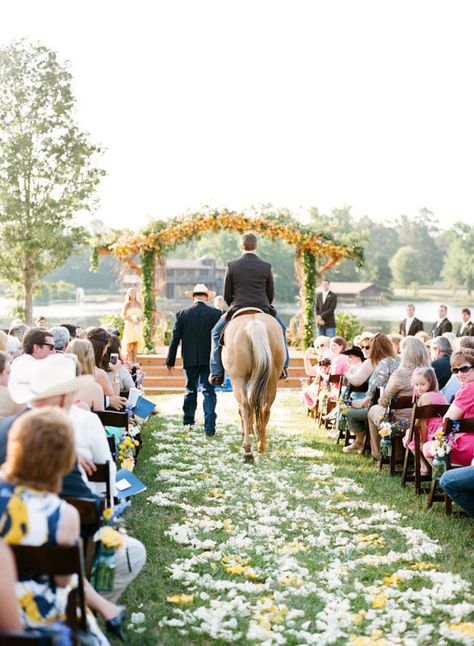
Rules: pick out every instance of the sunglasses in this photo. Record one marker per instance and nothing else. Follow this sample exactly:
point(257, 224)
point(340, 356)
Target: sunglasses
point(50, 345)
point(365, 347)
point(462, 369)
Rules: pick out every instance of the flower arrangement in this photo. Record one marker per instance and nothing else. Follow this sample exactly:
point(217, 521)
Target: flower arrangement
point(111, 538)
point(441, 448)
point(387, 430)
point(126, 451)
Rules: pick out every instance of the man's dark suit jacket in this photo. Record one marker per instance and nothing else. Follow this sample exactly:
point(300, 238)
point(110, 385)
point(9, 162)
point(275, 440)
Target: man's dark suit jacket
point(446, 326)
point(192, 329)
point(326, 310)
point(248, 282)
point(468, 332)
point(442, 368)
point(73, 484)
point(416, 326)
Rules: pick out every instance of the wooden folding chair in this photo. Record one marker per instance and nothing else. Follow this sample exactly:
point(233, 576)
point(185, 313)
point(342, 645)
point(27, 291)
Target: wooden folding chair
point(465, 426)
point(413, 460)
point(102, 475)
point(397, 403)
point(332, 401)
point(113, 418)
point(344, 433)
point(90, 513)
point(56, 560)
point(31, 638)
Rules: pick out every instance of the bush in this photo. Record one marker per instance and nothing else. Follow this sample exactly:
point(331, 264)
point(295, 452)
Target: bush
point(114, 321)
point(348, 326)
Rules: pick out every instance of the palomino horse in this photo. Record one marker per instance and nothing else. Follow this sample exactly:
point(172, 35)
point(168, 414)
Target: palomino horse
point(254, 354)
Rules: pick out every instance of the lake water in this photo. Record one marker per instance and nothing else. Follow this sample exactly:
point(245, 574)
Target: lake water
point(385, 318)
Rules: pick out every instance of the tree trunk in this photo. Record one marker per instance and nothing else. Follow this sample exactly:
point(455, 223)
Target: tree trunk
point(28, 293)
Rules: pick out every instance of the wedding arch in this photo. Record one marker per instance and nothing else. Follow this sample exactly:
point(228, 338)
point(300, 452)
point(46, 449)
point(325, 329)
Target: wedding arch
point(145, 253)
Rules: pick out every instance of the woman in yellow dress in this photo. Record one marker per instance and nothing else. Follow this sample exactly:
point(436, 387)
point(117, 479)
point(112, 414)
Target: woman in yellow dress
point(132, 341)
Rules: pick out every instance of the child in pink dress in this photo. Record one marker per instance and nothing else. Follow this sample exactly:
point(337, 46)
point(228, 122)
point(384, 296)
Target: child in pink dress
point(426, 390)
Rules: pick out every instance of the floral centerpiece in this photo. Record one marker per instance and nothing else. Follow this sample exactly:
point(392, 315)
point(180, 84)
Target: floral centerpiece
point(441, 449)
point(387, 430)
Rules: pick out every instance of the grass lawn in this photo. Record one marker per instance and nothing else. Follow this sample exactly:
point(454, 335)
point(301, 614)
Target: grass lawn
point(307, 546)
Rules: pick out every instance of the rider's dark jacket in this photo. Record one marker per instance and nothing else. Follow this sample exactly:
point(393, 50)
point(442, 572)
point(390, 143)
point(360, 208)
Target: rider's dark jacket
point(248, 282)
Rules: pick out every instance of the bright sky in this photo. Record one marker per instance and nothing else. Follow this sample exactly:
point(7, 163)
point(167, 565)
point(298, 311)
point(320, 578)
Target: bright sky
point(296, 102)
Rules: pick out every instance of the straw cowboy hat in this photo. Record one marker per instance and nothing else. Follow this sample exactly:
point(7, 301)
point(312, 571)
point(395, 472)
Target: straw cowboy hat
point(43, 378)
point(200, 288)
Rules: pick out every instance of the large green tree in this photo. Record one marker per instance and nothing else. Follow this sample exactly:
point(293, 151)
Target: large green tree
point(48, 172)
point(459, 261)
point(406, 266)
point(422, 234)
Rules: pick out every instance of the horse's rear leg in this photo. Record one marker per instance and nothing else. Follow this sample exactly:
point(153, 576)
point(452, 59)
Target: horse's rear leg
point(262, 435)
point(240, 392)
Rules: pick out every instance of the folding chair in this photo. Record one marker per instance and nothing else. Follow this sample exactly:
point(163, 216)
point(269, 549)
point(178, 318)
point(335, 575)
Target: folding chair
point(418, 414)
point(332, 401)
point(397, 403)
point(102, 475)
point(344, 433)
point(56, 560)
point(465, 426)
point(113, 418)
point(89, 513)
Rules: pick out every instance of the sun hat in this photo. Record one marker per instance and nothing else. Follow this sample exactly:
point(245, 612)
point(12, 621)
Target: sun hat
point(200, 288)
point(42, 378)
point(356, 351)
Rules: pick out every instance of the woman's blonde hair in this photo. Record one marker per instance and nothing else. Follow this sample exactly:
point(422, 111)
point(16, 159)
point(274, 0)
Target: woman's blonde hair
point(413, 353)
point(40, 449)
point(423, 336)
point(3, 341)
point(84, 351)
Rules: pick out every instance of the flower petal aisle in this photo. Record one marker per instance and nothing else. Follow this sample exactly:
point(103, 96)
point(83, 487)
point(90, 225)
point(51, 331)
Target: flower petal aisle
point(286, 551)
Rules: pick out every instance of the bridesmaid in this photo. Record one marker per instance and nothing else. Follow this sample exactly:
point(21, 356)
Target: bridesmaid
point(132, 342)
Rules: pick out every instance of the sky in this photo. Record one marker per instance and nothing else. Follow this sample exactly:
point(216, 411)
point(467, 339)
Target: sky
point(297, 103)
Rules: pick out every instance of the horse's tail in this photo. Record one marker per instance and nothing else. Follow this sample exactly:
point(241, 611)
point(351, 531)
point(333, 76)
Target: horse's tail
point(261, 370)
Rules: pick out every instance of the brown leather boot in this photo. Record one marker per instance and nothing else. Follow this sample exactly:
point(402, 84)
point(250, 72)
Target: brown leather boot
point(216, 380)
point(284, 374)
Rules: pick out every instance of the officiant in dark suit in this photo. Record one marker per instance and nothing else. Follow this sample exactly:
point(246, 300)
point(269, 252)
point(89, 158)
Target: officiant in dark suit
point(443, 324)
point(326, 303)
point(411, 325)
point(192, 329)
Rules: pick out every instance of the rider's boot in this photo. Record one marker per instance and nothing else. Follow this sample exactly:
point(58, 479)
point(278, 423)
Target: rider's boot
point(216, 380)
point(284, 374)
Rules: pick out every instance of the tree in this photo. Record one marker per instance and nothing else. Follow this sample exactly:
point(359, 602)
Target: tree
point(405, 266)
point(422, 234)
point(47, 172)
point(458, 266)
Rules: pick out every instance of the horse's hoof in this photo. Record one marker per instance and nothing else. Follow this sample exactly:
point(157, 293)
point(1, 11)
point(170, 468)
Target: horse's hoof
point(248, 458)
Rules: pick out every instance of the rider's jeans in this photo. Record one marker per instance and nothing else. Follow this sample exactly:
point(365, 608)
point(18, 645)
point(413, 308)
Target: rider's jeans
point(216, 366)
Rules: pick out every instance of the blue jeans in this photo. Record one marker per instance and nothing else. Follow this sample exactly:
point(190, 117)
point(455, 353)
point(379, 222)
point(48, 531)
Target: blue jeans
point(459, 485)
point(327, 331)
point(216, 364)
point(197, 377)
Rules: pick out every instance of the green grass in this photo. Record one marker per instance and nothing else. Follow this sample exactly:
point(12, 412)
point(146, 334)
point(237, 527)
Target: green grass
point(277, 474)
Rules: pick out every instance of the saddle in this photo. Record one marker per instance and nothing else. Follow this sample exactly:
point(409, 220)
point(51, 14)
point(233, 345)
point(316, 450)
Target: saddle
point(241, 312)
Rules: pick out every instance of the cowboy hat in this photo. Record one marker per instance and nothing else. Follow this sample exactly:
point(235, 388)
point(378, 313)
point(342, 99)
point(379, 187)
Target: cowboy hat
point(34, 379)
point(355, 351)
point(200, 288)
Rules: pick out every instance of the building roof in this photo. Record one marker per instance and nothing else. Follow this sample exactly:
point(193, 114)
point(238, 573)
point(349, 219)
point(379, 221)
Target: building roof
point(179, 263)
point(349, 287)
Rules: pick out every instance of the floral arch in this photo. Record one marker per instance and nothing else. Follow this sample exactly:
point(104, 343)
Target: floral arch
point(316, 251)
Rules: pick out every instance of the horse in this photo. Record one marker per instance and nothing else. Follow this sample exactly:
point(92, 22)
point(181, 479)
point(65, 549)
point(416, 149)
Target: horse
point(254, 354)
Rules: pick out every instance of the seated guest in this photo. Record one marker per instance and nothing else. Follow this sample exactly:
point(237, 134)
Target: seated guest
point(459, 485)
point(100, 341)
point(427, 393)
point(319, 352)
point(7, 405)
point(339, 362)
point(18, 330)
point(61, 338)
point(71, 328)
point(125, 378)
point(423, 336)
point(451, 338)
point(355, 358)
point(453, 385)
point(411, 325)
point(384, 362)
point(467, 326)
point(36, 345)
point(396, 339)
point(40, 451)
point(92, 395)
point(9, 613)
point(462, 447)
point(440, 350)
point(53, 382)
point(364, 343)
point(414, 355)
point(13, 346)
point(443, 324)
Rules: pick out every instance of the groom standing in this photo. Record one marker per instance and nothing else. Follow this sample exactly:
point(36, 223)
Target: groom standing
point(193, 330)
point(326, 303)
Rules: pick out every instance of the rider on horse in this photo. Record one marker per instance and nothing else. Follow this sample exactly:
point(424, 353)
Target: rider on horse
point(248, 282)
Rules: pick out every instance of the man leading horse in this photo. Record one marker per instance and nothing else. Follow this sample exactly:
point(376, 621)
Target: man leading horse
point(248, 282)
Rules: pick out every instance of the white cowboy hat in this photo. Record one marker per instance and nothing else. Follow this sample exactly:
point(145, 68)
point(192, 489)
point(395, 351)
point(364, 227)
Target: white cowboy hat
point(200, 288)
point(35, 379)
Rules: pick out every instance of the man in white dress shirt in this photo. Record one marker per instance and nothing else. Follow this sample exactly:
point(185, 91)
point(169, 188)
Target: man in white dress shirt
point(411, 325)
